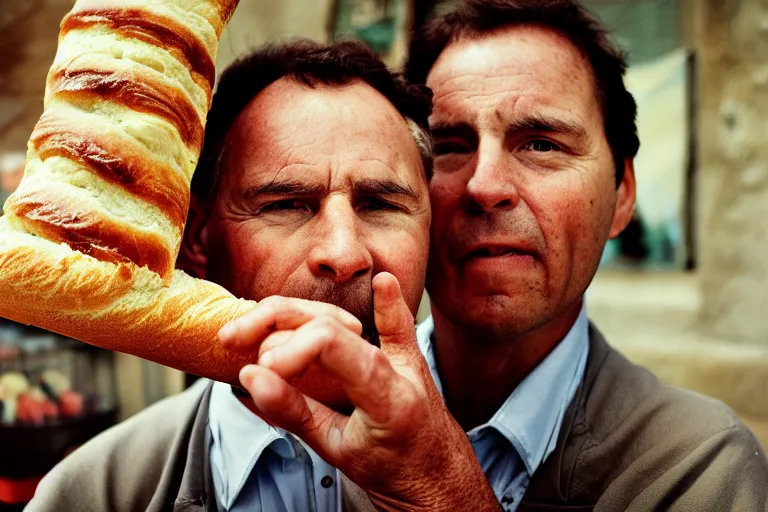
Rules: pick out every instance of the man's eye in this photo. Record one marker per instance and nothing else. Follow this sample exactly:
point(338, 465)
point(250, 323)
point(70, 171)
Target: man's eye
point(286, 205)
point(542, 146)
point(375, 204)
point(445, 148)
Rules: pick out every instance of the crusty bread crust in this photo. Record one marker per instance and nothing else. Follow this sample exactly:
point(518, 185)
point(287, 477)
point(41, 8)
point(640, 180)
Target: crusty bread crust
point(118, 306)
point(89, 239)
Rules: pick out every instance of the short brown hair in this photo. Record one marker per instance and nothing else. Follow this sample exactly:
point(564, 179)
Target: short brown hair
point(473, 18)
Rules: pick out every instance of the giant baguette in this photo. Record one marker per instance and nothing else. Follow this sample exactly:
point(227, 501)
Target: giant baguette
point(89, 240)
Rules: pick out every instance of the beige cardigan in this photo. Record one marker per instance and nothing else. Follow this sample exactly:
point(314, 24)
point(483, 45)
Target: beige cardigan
point(628, 442)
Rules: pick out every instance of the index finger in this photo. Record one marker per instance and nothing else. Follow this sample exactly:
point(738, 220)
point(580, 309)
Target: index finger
point(246, 333)
point(365, 373)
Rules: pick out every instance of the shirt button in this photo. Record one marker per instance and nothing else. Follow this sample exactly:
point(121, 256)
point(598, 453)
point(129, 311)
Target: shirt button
point(326, 482)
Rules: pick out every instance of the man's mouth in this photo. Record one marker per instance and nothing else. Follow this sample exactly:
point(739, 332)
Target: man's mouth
point(495, 252)
point(485, 251)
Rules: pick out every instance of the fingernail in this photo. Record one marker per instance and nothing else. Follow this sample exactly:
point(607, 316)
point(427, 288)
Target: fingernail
point(227, 333)
point(246, 376)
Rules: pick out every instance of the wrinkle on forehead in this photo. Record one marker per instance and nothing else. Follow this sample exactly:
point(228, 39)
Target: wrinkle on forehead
point(379, 161)
point(338, 172)
point(522, 66)
point(513, 48)
point(327, 131)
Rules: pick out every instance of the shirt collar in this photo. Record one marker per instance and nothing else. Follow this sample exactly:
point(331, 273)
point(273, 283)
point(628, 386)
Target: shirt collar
point(531, 417)
point(246, 438)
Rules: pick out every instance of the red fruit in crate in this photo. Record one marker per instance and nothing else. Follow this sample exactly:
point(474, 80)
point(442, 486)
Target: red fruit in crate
point(50, 409)
point(30, 410)
point(71, 403)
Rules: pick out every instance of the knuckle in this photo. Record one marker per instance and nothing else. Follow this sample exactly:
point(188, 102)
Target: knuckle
point(271, 304)
point(328, 311)
point(376, 366)
point(300, 420)
point(304, 422)
point(335, 311)
point(273, 340)
point(410, 406)
point(270, 301)
point(326, 328)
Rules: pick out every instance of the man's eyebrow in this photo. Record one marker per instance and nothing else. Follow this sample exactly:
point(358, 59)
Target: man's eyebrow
point(383, 187)
point(546, 124)
point(284, 188)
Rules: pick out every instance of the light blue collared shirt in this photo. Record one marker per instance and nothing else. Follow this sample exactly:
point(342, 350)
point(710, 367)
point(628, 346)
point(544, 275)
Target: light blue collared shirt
point(529, 421)
point(257, 467)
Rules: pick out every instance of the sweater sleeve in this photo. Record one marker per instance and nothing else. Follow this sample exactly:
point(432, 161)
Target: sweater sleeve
point(131, 467)
point(726, 472)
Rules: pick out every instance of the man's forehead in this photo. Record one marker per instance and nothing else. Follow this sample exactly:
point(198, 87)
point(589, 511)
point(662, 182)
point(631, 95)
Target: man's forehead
point(289, 104)
point(512, 70)
point(522, 49)
point(504, 106)
point(332, 167)
point(327, 132)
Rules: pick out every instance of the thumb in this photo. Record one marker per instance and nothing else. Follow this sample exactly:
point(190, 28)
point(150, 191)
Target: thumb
point(394, 320)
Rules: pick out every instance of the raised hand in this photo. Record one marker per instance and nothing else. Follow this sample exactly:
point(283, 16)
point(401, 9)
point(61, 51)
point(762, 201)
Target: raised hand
point(400, 443)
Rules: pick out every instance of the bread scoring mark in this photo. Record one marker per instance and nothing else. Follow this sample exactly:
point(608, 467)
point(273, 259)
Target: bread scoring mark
point(151, 28)
point(117, 160)
point(46, 214)
point(138, 92)
point(226, 10)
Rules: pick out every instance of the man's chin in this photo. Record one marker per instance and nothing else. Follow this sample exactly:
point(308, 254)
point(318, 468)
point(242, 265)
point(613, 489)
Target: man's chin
point(498, 316)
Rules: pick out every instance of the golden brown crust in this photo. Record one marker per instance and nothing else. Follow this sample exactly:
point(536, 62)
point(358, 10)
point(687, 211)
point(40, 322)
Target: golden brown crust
point(220, 15)
point(226, 10)
point(142, 93)
point(119, 160)
point(120, 307)
point(149, 27)
point(127, 309)
point(49, 215)
point(73, 258)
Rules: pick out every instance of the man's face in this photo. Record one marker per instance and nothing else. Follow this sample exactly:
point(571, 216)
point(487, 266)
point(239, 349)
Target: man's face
point(322, 188)
point(524, 194)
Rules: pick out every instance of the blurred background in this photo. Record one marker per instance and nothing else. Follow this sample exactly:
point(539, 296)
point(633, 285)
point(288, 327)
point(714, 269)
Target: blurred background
point(683, 291)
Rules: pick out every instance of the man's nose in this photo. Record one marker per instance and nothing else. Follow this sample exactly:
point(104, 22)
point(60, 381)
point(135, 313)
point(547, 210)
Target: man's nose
point(340, 253)
point(492, 186)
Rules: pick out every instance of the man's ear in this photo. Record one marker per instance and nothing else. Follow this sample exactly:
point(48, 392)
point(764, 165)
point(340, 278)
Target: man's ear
point(625, 199)
point(193, 256)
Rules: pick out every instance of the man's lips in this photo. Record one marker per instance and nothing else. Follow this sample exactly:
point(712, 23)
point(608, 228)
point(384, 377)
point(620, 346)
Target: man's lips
point(496, 251)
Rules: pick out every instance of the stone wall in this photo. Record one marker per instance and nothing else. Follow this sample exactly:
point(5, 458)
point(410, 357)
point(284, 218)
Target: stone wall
point(256, 22)
point(708, 331)
point(732, 43)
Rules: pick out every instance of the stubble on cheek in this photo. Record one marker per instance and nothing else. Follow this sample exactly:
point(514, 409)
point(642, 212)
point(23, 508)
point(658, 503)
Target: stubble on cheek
point(230, 260)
